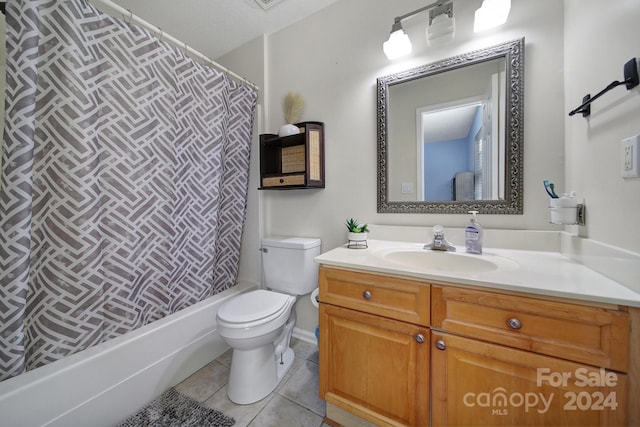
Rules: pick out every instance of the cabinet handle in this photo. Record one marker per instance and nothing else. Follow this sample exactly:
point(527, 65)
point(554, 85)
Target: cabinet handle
point(366, 295)
point(440, 345)
point(514, 323)
point(419, 338)
point(281, 180)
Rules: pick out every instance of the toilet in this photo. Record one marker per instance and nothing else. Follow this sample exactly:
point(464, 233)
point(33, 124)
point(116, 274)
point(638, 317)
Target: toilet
point(257, 325)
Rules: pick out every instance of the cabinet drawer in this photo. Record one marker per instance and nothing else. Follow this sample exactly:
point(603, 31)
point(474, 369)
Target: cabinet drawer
point(591, 335)
point(395, 298)
point(280, 181)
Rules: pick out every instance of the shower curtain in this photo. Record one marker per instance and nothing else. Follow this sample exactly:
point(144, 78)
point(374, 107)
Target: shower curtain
point(124, 181)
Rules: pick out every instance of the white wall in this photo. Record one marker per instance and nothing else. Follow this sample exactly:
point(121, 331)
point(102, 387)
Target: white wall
point(333, 59)
point(599, 39)
point(572, 48)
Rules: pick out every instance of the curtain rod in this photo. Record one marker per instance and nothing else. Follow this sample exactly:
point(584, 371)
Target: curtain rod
point(128, 16)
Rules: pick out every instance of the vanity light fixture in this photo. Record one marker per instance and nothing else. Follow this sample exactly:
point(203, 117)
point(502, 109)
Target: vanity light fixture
point(491, 14)
point(398, 44)
point(441, 25)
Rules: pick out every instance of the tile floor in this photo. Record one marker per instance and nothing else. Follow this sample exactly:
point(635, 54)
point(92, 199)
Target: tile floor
point(293, 403)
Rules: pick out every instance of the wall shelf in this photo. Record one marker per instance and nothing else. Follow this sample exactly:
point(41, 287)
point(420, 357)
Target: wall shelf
point(294, 161)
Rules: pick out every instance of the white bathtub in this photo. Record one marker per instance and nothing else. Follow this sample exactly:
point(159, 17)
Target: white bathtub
point(102, 385)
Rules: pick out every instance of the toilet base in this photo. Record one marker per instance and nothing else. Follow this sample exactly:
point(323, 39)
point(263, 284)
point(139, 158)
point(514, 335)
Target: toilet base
point(283, 364)
point(256, 373)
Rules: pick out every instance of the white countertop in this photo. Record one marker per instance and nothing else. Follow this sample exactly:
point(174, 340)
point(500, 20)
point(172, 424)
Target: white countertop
point(534, 272)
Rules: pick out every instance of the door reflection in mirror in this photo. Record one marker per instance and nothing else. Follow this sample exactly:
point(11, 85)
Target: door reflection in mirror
point(458, 140)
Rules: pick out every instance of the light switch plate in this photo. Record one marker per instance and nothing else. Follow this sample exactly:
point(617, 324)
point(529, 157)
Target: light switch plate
point(631, 157)
point(407, 188)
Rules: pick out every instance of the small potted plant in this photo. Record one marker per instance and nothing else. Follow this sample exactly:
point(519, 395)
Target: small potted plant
point(357, 232)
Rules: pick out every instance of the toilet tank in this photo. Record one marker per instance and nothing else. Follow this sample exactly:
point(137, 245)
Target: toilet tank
point(288, 264)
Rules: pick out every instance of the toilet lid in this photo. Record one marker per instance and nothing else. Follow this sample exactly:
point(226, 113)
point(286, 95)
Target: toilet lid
point(253, 306)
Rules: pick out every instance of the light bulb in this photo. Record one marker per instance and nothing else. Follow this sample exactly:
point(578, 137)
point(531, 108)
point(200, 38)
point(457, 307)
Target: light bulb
point(491, 14)
point(398, 45)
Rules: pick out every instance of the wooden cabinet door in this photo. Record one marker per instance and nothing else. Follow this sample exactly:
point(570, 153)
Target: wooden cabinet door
point(374, 367)
point(480, 384)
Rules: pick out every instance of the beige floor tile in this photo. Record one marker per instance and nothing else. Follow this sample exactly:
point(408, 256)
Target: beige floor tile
point(302, 349)
point(225, 358)
point(243, 414)
point(205, 382)
point(281, 412)
point(302, 388)
point(314, 357)
point(295, 401)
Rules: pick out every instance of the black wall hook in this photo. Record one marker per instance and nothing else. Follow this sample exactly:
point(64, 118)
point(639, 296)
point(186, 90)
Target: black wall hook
point(631, 80)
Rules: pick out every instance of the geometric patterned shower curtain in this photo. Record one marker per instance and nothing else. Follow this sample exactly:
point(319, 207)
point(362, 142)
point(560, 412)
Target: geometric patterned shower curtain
point(124, 181)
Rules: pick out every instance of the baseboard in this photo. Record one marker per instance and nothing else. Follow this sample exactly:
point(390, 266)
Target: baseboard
point(304, 335)
point(337, 416)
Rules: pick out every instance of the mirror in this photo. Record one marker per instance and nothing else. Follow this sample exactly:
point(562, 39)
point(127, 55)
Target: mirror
point(450, 134)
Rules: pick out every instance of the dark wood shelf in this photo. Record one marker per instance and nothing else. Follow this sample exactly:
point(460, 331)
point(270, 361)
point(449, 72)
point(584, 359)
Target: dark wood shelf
point(294, 161)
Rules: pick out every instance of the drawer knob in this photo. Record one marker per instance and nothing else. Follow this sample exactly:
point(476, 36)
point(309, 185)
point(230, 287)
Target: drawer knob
point(419, 338)
point(281, 180)
point(440, 345)
point(514, 323)
point(366, 295)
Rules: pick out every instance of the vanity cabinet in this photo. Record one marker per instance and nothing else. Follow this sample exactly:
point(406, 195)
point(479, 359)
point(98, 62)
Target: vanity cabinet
point(502, 359)
point(374, 346)
point(294, 161)
point(476, 383)
point(494, 358)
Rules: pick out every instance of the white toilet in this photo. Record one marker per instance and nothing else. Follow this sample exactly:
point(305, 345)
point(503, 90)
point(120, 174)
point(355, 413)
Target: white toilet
point(258, 324)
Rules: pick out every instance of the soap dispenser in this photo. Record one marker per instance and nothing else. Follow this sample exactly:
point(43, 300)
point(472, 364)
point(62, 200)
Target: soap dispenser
point(473, 235)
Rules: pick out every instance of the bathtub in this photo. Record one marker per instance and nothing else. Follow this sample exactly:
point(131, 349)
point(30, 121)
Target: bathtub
point(102, 385)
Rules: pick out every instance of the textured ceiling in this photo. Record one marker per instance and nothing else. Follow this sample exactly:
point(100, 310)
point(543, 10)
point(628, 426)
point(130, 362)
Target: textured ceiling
point(215, 27)
point(266, 4)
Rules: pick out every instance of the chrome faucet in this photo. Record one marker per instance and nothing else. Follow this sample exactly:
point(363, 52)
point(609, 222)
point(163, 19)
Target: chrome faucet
point(439, 242)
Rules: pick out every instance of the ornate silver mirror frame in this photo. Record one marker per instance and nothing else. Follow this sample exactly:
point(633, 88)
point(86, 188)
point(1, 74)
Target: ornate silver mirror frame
point(513, 52)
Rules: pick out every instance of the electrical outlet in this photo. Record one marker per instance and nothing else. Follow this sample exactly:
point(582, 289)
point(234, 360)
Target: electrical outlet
point(627, 159)
point(631, 157)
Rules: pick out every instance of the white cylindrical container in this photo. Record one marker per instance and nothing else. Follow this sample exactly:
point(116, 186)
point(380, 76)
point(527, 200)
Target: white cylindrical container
point(564, 210)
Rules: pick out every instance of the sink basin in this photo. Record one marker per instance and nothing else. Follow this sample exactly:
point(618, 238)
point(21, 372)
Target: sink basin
point(451, 262)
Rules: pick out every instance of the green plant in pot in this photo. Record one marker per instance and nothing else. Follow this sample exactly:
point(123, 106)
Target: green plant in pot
point(356, 232)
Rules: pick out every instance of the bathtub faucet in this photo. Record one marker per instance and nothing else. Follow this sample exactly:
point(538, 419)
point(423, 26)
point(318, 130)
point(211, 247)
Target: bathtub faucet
point(439, 242)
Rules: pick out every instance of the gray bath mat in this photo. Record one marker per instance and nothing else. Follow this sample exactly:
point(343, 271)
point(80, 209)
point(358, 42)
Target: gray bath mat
point(177, 410)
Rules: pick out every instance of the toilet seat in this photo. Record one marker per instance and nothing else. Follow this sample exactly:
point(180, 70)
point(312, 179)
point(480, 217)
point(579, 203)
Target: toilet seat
point(254, 308)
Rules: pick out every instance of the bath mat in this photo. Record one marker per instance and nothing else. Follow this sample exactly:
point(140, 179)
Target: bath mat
point(177, 410)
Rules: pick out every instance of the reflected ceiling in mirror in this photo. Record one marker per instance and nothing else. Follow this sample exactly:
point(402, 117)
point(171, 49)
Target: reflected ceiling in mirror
point(450, 134)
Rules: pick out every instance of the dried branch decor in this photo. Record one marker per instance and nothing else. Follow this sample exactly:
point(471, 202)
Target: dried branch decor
point(292, 105)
